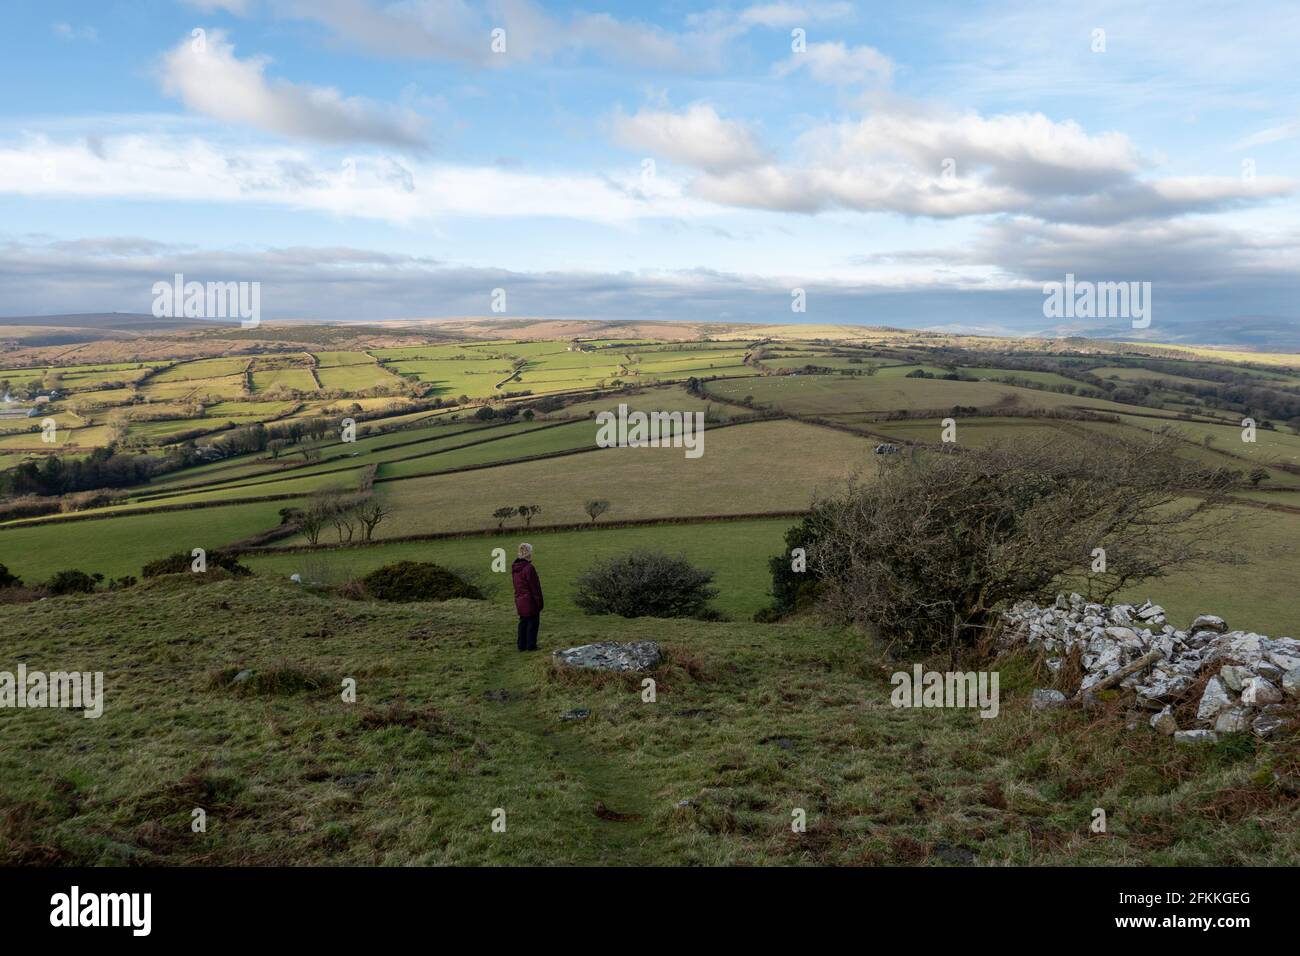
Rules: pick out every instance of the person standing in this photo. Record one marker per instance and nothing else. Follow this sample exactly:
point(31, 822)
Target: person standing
point(528, 598)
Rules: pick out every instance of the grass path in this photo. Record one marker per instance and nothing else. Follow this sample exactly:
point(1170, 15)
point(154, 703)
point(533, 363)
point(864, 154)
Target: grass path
point(597, 840)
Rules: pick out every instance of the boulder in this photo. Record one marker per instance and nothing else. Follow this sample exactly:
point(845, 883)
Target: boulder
point(611, 656)
point(1210, 623)
point(1291, 682)
point(1045, 697)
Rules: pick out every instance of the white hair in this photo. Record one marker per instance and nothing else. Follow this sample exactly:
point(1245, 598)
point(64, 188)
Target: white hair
point(525, 550)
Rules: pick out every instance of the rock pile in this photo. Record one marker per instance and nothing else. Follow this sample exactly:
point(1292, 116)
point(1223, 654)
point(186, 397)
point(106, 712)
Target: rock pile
point(1252, 674)
point(611, 656)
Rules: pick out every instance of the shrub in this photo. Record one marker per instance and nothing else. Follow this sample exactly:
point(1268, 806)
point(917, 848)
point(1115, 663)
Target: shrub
point(71, 581)
point(417, 581)
point(8, 579)
point(646, 584)
point(931, 551)
point(181, 562)
point(794, 590)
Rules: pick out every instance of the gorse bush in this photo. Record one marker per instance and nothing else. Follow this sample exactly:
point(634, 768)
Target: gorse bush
point(71, 581)
point(646, 584)
point(182, 562)
point(417, 581)
point(930, 552)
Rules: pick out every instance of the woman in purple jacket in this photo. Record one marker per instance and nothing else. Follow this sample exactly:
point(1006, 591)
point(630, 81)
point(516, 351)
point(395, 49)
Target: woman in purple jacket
point(528, 598)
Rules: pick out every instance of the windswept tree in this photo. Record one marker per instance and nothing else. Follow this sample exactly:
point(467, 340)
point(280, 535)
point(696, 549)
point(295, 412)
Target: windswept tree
point(595, 508)
point(928, 553)
point(527, 512)
point(503, 515)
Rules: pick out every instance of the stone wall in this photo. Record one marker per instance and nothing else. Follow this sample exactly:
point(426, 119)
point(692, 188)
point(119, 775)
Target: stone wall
point(1251, 675)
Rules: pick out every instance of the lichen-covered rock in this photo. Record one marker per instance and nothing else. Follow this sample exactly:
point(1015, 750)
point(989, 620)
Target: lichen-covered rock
point(1234, 720)
point(1209, 622)
point(611, 656)
point(1045, 697)
point(1235, 676)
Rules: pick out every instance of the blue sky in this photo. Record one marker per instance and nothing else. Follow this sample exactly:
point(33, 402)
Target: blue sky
point(911, 164)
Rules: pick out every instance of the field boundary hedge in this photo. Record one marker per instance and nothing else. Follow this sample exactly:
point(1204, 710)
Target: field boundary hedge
point(537, 528)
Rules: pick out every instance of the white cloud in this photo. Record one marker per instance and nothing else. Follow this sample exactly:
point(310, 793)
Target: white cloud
point(944, 165)
point(836, 64)
point(696, 137)
point(207, 76)
point(373, 187)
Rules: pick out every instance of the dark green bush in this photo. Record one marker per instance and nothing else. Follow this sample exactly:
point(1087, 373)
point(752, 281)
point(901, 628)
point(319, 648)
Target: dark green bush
point(417, 581)
point(71, 581)
point(9, 580)
point(646, 584)
point(182, 561)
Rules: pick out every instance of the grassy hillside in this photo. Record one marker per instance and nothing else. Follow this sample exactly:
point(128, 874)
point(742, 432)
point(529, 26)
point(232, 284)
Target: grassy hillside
point(750, 723)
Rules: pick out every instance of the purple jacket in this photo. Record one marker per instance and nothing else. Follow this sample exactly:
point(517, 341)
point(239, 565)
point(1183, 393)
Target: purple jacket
point(528, 588)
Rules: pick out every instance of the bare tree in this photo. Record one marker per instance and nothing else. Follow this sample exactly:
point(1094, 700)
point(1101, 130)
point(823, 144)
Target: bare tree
point(343, 516)
point(314, 517)
point(596, 508)
point(370, 513)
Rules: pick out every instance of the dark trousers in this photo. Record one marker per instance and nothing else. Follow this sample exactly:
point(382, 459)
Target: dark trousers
point(527, 638)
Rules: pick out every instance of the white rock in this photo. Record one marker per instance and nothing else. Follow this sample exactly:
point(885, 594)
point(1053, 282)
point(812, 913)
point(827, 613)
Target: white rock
point(1216, 698)
point(1195, 736)
point(1291, 682)
point(1259, 691)
point(1210, 623)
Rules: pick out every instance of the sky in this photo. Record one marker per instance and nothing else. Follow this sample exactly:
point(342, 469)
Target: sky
point(922, 165)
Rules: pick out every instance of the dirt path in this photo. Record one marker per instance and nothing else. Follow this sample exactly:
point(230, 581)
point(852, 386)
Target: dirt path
point(597, 839)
